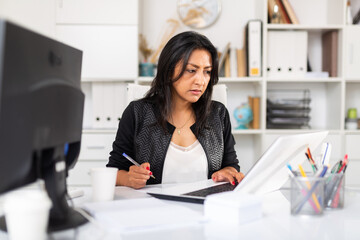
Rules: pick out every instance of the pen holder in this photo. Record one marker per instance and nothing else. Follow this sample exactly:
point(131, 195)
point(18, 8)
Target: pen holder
point(307, 195)
point(334, 190)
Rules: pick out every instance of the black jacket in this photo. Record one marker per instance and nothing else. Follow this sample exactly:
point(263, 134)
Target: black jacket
point(141, 137)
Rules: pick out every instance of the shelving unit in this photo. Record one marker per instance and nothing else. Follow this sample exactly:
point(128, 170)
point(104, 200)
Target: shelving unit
point(331, 97)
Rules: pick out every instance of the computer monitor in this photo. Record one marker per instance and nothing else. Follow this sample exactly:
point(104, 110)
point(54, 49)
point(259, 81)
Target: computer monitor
point(41, 113)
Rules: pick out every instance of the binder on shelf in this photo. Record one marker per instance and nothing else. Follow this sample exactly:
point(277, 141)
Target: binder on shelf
point(227, 65)
point(356, 18)
point(271, 14)
point(251, 105)
point(222, 59)
point(287, 54)
point(88, 108)
point(241, 62)
point(290, 12)
point(254, 47)
point(97, 103)
point(120, 101)
point(108, 105)
point(254, 104)
point(330, 52)
point(108, 99)
point(233, 62)
point(256, 113)
point(283, 13)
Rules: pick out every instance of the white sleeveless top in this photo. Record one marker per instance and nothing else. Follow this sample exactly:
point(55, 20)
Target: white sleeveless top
point(185, 164)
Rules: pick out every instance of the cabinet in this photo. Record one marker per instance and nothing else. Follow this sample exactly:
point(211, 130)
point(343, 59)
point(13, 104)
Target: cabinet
point(106, 31)
point(330, 96)
point(36, 16)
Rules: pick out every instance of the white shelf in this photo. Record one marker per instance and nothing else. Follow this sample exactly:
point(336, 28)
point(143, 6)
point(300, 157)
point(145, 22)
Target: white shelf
point(352, 80)
point(352, 132)
point(221, 79)
point(243, 132)
point(91, 80)
point(99, 131)
point(146, 80)
point(299, 131)
point(246, 131)
point(316, 80)
point(303, 27)
point(111, 131)
point(240, 79)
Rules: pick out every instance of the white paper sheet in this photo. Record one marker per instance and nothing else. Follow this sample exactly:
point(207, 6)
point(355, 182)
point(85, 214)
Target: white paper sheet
point(141, 214)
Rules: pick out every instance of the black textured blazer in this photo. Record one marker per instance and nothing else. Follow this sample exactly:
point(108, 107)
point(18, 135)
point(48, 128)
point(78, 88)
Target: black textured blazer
point(141, 137)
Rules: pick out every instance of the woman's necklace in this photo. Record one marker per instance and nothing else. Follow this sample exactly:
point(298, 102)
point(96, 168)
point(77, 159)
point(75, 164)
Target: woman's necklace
point(179, 128)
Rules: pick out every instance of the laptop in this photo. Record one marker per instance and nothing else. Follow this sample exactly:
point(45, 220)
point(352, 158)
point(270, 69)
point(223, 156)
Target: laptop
point(268, 174)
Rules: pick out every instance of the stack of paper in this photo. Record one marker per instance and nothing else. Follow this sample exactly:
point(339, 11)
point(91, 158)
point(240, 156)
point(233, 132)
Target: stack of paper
point(141, 214)
point(233, 207)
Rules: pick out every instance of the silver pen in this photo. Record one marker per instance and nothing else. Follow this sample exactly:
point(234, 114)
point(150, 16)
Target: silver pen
point(134, 162)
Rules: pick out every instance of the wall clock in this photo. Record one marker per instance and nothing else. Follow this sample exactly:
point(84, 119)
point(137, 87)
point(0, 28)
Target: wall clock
point(198, 13)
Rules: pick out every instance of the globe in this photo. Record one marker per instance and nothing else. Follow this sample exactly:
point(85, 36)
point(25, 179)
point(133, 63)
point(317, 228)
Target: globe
point(243, 115)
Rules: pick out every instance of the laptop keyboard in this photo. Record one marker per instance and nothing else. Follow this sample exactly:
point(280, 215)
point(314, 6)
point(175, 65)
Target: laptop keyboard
point(211, 190)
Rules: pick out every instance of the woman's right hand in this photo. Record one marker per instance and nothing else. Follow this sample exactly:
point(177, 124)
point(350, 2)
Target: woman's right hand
point(136, 177)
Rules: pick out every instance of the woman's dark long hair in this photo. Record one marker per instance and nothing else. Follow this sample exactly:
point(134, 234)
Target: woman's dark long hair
point(178, 49)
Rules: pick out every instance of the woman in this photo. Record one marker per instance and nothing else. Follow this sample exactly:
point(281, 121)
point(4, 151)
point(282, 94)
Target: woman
point(176, 132)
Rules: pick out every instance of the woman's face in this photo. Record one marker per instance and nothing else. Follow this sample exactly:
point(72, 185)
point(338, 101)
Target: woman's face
point(193, 83)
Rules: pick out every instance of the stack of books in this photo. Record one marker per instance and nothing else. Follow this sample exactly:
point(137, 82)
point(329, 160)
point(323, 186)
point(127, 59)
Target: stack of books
point(288, 109)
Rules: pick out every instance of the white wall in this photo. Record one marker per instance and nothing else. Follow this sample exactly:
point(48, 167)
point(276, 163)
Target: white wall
point(229, 26)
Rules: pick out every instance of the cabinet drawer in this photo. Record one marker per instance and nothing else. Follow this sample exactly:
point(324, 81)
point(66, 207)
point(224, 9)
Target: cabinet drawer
point(96, 146)
point(109, 52)
point(79, 175)
point(96, 12)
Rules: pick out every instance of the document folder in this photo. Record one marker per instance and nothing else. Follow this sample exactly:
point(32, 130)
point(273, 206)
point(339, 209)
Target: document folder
point(287, 54)
point(254, 48)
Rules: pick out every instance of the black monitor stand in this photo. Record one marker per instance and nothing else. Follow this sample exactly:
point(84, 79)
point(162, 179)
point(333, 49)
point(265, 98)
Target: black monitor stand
point(54, 172)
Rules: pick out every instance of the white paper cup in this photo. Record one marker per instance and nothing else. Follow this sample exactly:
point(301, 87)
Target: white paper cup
point(103, 183)
point(27, 214)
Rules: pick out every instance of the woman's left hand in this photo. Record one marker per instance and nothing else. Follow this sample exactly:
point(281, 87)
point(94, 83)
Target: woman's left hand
point(227, 174)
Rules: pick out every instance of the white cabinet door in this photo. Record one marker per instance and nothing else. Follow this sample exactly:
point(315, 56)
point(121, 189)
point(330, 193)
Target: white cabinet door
point(97, 12)
point(109, 51)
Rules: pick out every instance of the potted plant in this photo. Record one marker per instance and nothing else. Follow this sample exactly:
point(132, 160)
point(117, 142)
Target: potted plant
point(146, 67)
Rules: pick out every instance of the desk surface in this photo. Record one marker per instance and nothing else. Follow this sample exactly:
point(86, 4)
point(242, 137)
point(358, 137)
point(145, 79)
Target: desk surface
point(276, 223)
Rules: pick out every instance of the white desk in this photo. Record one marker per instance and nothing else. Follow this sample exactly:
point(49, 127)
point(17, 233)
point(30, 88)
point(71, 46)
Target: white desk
point(277, 223)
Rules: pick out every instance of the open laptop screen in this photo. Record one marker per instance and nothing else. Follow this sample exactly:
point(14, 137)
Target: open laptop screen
point(269, 173)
